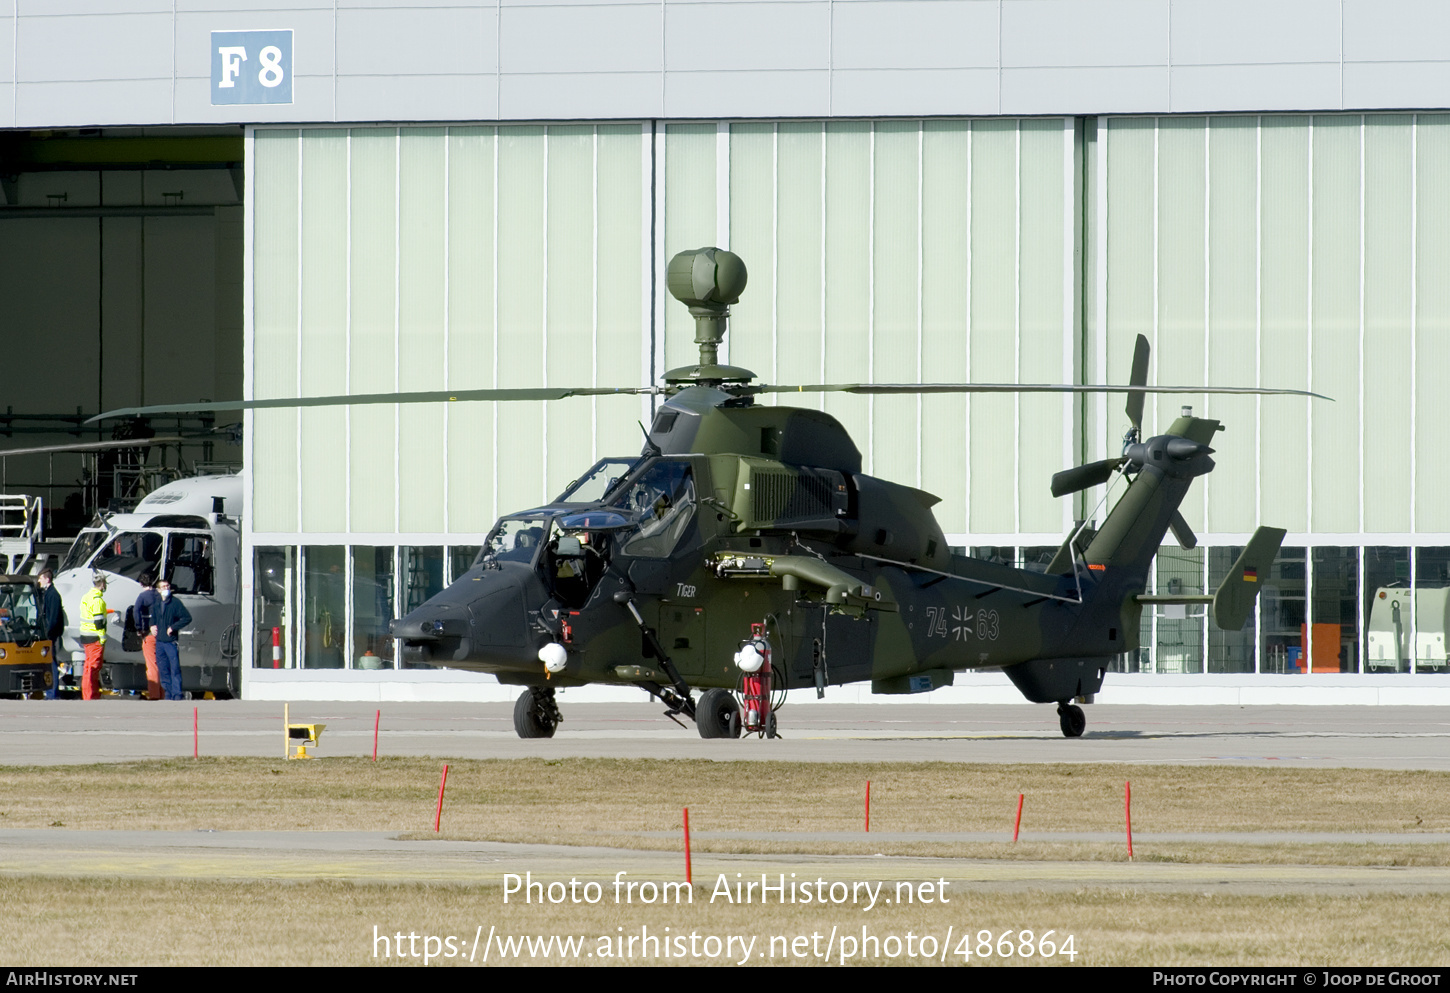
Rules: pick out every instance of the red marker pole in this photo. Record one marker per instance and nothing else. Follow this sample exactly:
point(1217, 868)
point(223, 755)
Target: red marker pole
point(1018, 825)
point(1128, 813)
point(376, 721)
point(868, 806)
point(688, 879)
point(276, 648)
point(438, 817)
point(195, 735)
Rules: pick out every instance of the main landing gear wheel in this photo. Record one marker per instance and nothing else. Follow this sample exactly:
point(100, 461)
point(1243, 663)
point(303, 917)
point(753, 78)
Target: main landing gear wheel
point(535, 715)
point(717, 715)
point(1072, 719)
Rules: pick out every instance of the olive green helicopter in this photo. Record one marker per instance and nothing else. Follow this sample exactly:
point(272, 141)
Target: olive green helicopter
point(743, 553)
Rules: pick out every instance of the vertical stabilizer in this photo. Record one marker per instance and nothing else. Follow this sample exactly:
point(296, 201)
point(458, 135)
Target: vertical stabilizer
point(1234, 600)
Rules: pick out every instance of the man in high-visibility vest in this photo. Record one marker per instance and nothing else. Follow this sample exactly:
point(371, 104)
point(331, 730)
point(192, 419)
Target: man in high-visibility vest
point(93, 636)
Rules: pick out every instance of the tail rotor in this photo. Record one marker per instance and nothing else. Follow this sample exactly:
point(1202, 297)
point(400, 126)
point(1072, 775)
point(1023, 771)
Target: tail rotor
point(1096, 473)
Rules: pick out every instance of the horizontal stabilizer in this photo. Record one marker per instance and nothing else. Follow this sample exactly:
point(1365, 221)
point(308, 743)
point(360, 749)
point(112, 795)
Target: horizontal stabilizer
point(1234, 600)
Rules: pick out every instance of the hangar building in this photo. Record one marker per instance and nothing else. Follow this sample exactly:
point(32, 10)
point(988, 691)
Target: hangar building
point(203, 198)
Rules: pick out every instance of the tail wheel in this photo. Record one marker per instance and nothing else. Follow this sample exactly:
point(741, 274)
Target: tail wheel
point(535, 715)
point(1072, 719)
point(717, 715)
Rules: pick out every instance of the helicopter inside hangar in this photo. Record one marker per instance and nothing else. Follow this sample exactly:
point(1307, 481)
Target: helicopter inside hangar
point(642, 572)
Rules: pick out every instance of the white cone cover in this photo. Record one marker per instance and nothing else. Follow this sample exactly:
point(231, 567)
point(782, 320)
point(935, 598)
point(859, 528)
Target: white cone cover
point(554, 656)
point(749, 659)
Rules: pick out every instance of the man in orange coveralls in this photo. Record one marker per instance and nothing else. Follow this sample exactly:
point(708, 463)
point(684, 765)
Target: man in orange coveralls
point(93, 636)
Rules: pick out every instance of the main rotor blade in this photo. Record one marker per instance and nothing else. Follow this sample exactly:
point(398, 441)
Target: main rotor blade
point(912, 388)
point(1083, 476)
point(1138, 377)
point(359, 399)
point(99, 446)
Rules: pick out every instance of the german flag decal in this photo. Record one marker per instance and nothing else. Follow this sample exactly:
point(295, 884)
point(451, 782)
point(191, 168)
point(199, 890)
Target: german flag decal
point(1251, 575)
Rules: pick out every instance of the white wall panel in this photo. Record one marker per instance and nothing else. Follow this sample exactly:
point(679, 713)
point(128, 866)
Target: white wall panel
point(1090, 90)
point(372, 325)
point(1219, 32)
point(323, 286)
point(86, 46)
point(570, 338)
point(1394, 85)
point(422, 325)
point(80, 104)
point(1285, 339)
point(1248, 87)
point(471, 343)
point(800, 255)
point(994, 325)
point(736, 36)
point(946, 260)
point(1057, 57)
point(522, 282)
point(1073, 33)
point(753, 208)
point(848, 276)
point(275, 329)
point(97, 7)
point(416, 98)
point(689, 222)
point(1432, 322)
point(590, 38)
point(1233, 322)
point(1336, 354)
point(622, 326)
point(904, 34)
point(416, 40)
point(1395, 30)
point(1131, 258)
point(1389, 268)
point(896, 296)
point(1044, 276)
point(1178, 345)
point(748, 93)
point(573, 95)
point(877, 92)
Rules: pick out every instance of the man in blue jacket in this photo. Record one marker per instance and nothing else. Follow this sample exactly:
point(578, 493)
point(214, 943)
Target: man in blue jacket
point(168, 617)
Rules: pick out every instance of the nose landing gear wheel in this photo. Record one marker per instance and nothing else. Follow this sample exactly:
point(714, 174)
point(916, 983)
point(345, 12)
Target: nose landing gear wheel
point(1072, 719)
point(535, 715)
point(717, 715)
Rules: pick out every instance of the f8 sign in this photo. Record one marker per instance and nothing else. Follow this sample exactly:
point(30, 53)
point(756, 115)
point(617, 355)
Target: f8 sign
point(251, 67)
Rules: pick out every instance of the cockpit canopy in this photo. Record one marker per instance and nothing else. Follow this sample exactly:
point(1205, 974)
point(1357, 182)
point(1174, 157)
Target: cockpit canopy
point(637, 499)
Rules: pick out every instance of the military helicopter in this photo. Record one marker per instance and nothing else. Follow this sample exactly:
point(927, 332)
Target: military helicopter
point(743, 553)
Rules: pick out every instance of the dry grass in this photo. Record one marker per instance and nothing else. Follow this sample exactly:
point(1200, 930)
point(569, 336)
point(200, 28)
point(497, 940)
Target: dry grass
point(129, 922)
point(604, 801)
point(575, 799)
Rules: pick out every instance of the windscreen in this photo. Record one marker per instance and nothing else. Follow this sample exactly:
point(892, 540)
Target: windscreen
point(515, 539)
point(129, 554)
point(597, 483)
point(654, 491)
point(18, 613)
point(82, 549)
